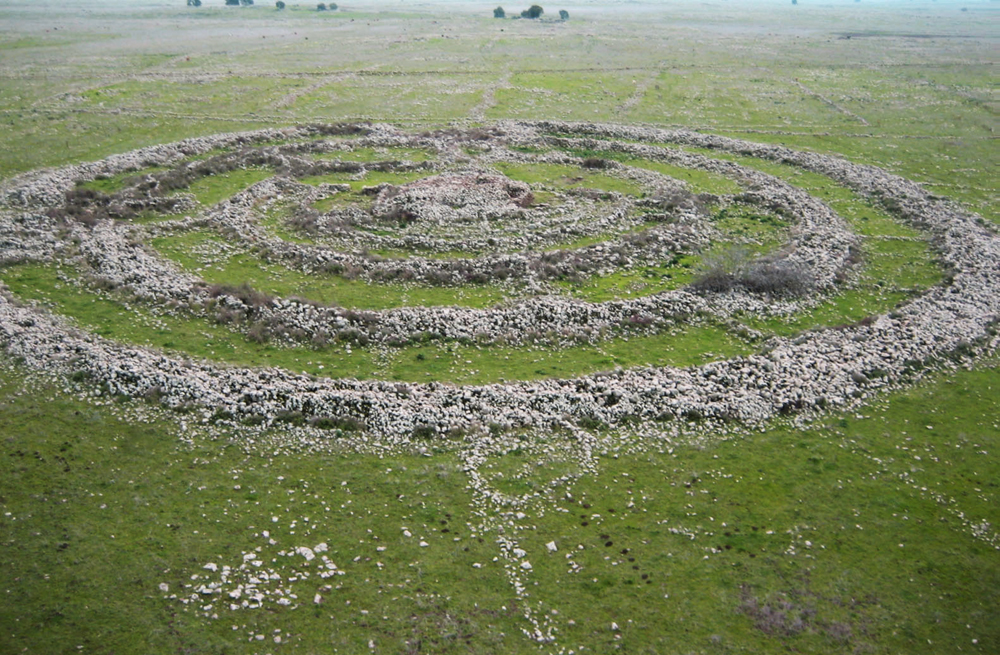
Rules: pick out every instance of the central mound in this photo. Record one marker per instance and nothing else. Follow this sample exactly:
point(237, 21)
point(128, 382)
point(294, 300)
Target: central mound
point(450, 197)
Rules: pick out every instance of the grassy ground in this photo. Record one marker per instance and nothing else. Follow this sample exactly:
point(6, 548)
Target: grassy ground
point(857, 532)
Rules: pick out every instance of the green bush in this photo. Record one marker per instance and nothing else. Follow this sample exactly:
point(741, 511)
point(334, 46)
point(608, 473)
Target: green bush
point(534, 11)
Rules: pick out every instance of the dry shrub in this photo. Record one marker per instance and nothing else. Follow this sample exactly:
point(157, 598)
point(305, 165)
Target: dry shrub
point(735, 267)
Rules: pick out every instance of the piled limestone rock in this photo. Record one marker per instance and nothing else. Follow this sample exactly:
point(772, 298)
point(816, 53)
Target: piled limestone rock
point(818, 369)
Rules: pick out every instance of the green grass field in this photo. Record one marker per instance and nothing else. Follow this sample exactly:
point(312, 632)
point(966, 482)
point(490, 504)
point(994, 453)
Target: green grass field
point(869, 530)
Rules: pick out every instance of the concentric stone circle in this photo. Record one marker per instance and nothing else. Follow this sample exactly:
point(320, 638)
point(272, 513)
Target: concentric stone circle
point(522, 241)
point(820, 249)
point(818, 369)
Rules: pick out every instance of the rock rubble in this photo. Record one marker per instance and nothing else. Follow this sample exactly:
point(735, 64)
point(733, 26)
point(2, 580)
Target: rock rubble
point(818, 369)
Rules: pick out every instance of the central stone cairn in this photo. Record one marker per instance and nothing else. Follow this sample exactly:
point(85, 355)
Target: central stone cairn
point(452, 198)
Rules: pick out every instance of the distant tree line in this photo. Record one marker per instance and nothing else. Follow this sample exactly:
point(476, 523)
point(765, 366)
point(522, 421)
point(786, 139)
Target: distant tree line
point(323, 6)
point(534, 11)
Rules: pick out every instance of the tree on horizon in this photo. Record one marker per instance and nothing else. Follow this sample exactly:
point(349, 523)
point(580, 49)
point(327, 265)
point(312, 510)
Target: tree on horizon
point(534, 11)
